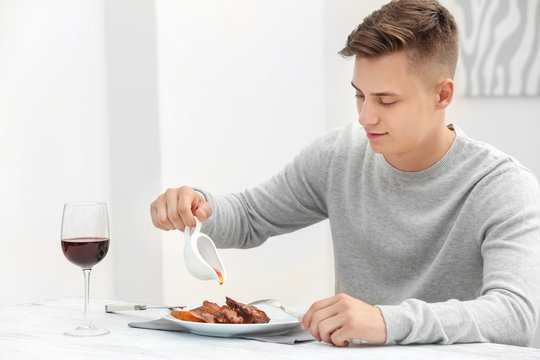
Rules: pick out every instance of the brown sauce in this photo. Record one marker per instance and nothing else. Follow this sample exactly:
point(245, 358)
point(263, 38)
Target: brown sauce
point(220, 277)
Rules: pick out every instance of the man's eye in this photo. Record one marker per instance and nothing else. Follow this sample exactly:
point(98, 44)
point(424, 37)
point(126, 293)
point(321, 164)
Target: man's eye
point(387, 103)
point(359, 96)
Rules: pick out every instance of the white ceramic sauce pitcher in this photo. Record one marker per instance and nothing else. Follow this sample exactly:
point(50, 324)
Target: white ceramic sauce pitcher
point(200, 255)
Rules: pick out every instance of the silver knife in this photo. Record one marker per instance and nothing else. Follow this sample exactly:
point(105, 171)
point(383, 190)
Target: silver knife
point(114, 308)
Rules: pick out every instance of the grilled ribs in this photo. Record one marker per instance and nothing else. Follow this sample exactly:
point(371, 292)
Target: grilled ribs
point(232, 313)
point(250, 314)
point(209, 313)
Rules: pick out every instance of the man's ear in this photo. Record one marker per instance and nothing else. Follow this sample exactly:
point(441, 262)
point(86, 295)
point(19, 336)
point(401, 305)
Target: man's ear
point(445, 93)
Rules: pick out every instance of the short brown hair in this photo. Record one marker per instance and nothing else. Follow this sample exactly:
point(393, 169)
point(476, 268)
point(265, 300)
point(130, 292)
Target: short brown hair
point(424, 28)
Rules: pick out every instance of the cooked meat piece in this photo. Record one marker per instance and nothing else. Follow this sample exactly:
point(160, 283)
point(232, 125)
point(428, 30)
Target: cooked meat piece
point(231, 315)
point(258, 316)
point(185, 316)
point(222, 314)
point(239, 308)
point(204, 314)
point(250, 314)
point(214, 309)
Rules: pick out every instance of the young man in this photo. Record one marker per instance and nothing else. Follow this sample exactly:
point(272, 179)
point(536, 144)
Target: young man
point(436, 236)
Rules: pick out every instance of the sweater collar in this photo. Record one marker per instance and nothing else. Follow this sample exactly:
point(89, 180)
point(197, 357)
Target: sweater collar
point(437, 169)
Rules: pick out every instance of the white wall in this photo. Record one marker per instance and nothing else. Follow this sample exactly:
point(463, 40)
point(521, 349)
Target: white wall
point(53, 141)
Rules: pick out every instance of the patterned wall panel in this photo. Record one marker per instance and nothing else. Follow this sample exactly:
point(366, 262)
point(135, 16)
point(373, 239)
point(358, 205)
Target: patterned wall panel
point(499, 47)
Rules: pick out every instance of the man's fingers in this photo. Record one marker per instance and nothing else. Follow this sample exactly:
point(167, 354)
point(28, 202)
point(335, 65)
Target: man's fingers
point(171, 201)
point(318, 318)
point(340, 338)
point(164, 219)
point(316, 306)
point(184, 209)
point(161, 217)
point(201, 214)
point(202, 209)
point(328, 326)
point(154, 215)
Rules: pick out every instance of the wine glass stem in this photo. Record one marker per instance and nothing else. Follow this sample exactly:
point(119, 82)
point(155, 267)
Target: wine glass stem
point(86, 273)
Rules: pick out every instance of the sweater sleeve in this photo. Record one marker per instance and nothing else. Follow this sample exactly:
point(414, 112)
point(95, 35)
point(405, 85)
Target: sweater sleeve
point(508, 218)
point(290, 200)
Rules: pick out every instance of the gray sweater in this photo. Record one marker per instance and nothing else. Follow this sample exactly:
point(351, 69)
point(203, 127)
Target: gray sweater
point(449, 254)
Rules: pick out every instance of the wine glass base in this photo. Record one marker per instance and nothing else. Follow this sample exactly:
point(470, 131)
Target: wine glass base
point(87, 330)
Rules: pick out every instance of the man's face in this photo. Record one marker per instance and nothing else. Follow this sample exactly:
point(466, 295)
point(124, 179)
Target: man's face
point(395, 107)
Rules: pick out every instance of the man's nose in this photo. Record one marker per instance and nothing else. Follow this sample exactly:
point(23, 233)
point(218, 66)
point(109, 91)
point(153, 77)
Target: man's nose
point(367, 115)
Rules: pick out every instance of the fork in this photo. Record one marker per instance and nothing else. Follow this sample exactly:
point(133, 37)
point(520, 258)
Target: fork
point(116, 308)
point(277, 304)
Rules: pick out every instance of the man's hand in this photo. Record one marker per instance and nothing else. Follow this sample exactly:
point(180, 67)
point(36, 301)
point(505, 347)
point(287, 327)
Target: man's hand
point(175, 208)
point(341, 317)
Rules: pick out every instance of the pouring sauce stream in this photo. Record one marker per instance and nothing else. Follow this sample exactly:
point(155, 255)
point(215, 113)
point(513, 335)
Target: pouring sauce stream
point(220, 277)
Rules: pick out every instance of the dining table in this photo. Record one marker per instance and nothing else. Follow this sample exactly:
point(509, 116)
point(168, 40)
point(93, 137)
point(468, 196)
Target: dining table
point(35, 330)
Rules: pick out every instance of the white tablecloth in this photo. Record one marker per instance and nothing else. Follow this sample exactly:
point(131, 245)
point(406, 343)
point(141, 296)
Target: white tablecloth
point(35, 331)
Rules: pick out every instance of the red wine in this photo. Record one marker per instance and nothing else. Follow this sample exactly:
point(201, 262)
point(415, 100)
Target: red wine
point(85, 252)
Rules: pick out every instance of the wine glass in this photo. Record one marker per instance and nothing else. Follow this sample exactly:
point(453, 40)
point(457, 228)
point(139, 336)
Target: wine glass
point(85, 242)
